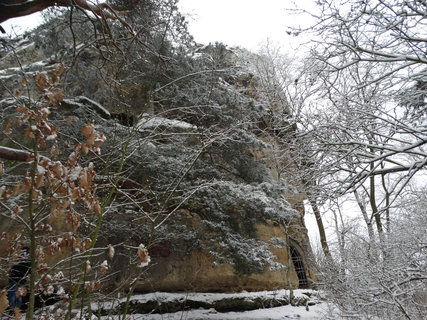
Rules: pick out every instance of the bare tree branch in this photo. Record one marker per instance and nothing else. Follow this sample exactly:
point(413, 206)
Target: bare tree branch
point(18, 8)
point(15, 154)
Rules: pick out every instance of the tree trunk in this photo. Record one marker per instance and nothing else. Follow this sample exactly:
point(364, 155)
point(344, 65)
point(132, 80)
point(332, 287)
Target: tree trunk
point(322, 233)
point(362, 205)
point(341, 242)
point(374, 207)
point(387, 204)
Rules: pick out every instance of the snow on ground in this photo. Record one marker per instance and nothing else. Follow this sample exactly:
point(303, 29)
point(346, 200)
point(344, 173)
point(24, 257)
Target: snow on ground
point(317, 311)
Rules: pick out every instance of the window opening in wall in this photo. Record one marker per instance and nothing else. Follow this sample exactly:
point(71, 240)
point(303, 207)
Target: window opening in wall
point(299, 268)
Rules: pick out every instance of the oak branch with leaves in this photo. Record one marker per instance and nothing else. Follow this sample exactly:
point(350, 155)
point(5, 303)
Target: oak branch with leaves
point(42, 206)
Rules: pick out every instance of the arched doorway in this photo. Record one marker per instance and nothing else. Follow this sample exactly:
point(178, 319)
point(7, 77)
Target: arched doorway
point(299, 267)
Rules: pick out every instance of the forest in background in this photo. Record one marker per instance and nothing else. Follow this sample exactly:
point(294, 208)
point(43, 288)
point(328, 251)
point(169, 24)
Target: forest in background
point(350, 118)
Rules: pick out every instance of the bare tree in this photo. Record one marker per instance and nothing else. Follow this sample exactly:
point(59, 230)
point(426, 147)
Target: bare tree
point(382, 46)
point(368, 127)
point(390, 285)
point(369, 68)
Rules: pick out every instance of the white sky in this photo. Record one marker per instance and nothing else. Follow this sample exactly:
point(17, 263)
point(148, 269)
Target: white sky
point(22, 24)
point(246, 23)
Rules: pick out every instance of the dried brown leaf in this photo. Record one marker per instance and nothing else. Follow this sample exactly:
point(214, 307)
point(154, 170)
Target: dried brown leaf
point(57, 169)
point(27, 184)
point(91, 139)
point(56, 97)
point(22, 109)
point(87, 130)
point(41, 81)
point(83, 181)
point(23, 82)
point(39, 181)
point(58, 72)
point(104, 267)
point(29, 133)
point(41, 142)
point(143, 253)
point(8, 129)
point(87, 243)
point(54, 150)
point(97, 207)
point(75, 194)
point(85, 149)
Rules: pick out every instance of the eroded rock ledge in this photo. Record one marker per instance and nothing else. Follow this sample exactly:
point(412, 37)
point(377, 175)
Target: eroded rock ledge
point(162, 302)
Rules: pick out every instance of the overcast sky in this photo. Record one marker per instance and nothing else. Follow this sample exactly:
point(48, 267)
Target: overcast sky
point(246, 23)
point(19, 25)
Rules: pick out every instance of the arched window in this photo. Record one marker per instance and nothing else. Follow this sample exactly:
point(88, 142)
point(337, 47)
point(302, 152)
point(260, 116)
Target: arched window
point(299, 267)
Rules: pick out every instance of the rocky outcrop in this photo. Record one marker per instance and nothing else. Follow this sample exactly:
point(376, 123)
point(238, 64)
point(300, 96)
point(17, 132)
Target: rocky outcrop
point(199, 186)
point(198, 271)
point(170, 303)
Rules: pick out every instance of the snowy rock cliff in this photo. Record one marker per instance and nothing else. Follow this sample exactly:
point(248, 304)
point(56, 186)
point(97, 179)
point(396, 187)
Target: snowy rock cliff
point(198, 185)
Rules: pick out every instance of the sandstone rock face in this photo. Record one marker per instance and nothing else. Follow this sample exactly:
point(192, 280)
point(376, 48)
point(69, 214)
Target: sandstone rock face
point(198, 272)
point(203, 172)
